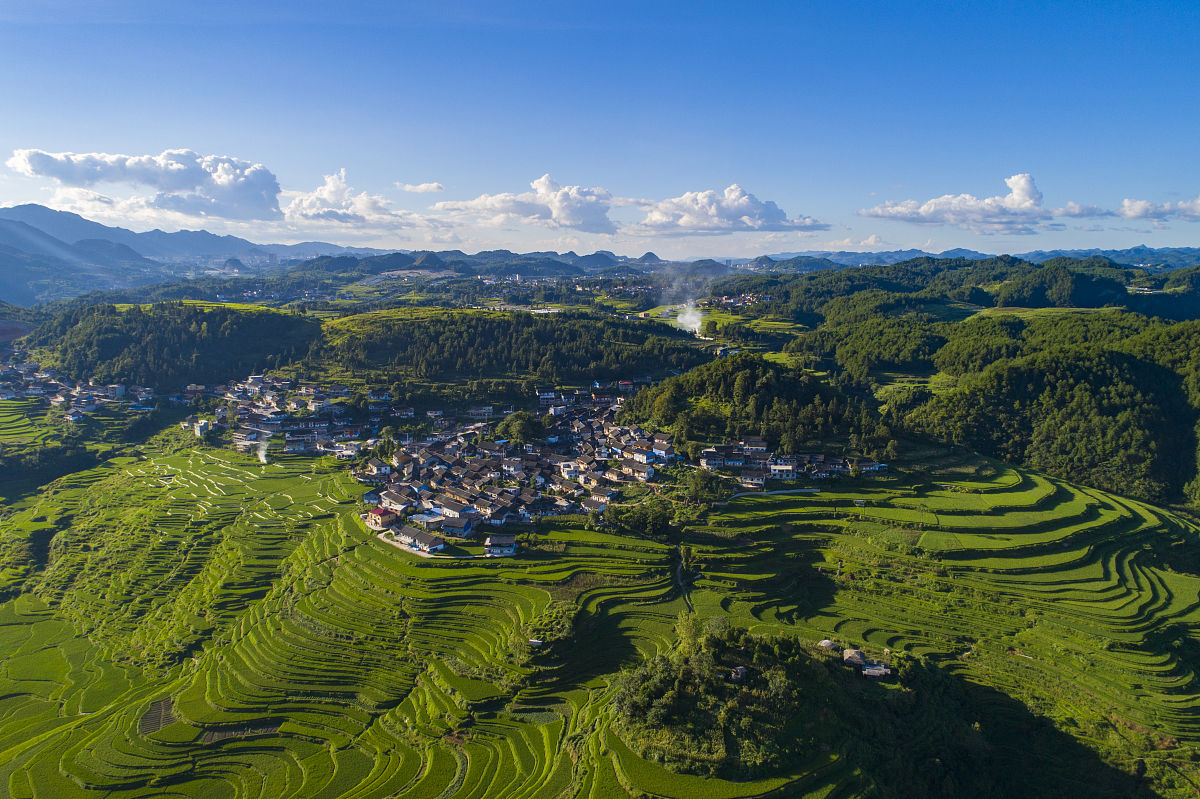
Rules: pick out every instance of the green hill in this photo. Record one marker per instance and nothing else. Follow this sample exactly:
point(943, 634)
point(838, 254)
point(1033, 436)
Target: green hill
point(168, 345)
point(441, 344)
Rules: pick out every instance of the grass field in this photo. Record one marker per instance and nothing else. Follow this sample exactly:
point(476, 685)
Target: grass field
point(207, 626)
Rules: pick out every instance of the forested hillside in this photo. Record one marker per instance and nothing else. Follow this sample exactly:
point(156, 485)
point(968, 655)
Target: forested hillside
point(170, 344)
point(568, 347)
point(1104, 418)
point(998, 281)
point(747, 395)
point(167, 345)
point(1104, 395)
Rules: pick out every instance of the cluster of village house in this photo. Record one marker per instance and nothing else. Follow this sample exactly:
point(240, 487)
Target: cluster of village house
point(756, 463)
point(314, 419)
point(455, 483)
point(76, 399)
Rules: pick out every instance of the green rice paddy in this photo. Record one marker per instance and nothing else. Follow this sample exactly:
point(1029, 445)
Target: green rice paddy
point(22, 423)
point(207, 626)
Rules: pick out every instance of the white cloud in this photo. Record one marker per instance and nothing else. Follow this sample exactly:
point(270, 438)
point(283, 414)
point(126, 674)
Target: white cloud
point(1144, 209)
point(1020, 211)
point(550, 204)
point(336, 201)
point(185, 181)
point(708, 212)
point(1077, 211)
point(421, 188)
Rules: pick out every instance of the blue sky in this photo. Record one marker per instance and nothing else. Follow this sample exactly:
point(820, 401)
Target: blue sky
point(684, 128)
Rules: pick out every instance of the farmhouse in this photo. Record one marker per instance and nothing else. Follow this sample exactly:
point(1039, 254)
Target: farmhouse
point(500, 545)
point(639, 471)
point(379, 518)
point(461, 526)
point(753, 478)
point(420, 539)
point(394, 500)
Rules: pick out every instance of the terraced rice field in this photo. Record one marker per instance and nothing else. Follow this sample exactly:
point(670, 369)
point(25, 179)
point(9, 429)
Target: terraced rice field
point(21, 422)
point(212, 627)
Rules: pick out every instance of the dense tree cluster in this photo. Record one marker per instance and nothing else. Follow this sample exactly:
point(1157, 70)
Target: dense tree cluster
point(1101, 417)
point(520, 427)
point(1059, 286)
point(171, 344)
point(929, 734)
point(745, 394)
point(684, 707)
point(648, 519)
point(568, 347)
point(878, 342)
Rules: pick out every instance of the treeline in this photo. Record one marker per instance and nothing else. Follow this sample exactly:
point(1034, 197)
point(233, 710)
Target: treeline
point(563, 347)
point(168, 345)
point(745, 394)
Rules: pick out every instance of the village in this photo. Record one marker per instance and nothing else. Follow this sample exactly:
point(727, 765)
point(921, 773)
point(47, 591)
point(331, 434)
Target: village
point(457, 482)
point(454, 481)
point(25, 379)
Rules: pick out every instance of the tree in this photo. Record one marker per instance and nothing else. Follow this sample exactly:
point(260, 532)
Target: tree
point(520, 427)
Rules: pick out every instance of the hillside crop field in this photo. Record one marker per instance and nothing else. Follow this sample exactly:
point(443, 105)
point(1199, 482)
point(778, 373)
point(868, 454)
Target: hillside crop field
point(204, 625)
point(22, 423)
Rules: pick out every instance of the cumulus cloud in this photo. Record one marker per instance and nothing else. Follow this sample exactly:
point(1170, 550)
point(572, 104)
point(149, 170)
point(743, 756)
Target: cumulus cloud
point(1077, 211)
point(336, 201)
point(1144, 209)
point(186, 182)
point(1020, 211)
point(551, 204)
point(421, 188)
point(709, 212)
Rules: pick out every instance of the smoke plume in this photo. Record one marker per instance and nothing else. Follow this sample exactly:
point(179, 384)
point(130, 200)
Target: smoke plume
point(690, 317)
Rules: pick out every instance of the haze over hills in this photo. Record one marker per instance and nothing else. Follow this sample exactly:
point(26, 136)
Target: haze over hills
point(1141, 255)
point(47, 254)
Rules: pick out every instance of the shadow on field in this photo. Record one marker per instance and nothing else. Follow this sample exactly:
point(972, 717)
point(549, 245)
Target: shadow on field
point(948, 737)
point(600, 648)
point(794, 589)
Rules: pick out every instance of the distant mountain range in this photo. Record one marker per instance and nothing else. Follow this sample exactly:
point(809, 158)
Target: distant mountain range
point(47, 255)
point(1143, 256)
point(184, 246)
